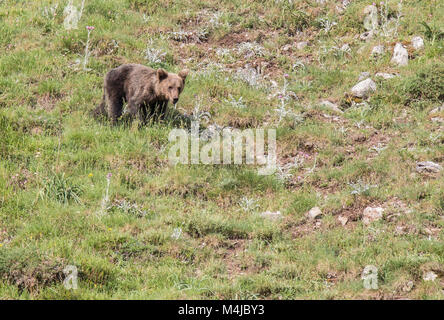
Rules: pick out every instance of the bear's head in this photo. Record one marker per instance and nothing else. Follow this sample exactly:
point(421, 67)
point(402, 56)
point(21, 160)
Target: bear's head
point(171, 85)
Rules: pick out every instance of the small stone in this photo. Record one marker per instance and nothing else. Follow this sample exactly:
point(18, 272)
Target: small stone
point(437, 110)
point(301, 45)
point(430, 276)
point(271, 215)
point(346, 48)
point(314, 213)
point(400, 55)
point(364, 75)
point(367, 35)
point(408, 286)
point(287, 47)
point(378, 51)
point(343, 220)
point(372, 214)
point(428, 166)
point(363, 88)
point(418, 43)
point(385, 75)
point(331, 106)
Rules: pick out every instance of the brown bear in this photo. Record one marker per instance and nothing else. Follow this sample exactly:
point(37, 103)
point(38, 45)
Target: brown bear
point(147, 91)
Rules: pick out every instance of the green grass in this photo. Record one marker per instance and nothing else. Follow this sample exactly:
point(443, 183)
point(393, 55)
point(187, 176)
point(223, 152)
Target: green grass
point(55, 158)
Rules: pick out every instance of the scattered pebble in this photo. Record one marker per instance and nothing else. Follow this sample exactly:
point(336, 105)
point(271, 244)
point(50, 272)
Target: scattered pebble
point(430, 276)
point(271, 215)
point(287, 47)
point(428, 166)
point(437, 110)
point(437, 119)
point(418, 43)
point(363, 88)
point(408, 286)
point(314, 213)
point(343, 220)
point(364, 75)
point(372, 214)
point(367, 35)
point(378, 51)
point(346, 48)
point(301, 45)
point(331, 106)
point(385, 75)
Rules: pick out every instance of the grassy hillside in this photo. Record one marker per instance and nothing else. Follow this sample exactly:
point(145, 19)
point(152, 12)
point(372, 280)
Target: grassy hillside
point(196, 231)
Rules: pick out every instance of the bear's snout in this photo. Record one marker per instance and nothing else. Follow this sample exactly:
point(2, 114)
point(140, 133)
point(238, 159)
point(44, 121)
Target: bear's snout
point(175, 100)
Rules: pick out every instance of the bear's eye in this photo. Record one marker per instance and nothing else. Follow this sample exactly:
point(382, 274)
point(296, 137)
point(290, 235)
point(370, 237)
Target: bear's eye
point(170, 87)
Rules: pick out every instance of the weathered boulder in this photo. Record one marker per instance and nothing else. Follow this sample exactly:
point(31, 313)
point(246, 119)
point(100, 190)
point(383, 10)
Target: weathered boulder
point(364, 88)
point(400, 55)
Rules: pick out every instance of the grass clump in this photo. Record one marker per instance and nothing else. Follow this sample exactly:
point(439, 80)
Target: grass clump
point(427, 84)
point(59, 188)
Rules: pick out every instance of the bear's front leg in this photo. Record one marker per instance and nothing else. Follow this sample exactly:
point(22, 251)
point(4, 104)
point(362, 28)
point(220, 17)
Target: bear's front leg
point(143, 114)
point(138, 108)
point(133, 107)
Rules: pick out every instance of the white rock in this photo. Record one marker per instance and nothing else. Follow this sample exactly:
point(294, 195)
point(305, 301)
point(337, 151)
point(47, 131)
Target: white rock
point(364, 75)
point(378, 51)
point(408, 286)
point(367, 35)
point(430, 276)
point(428, 166)
point(400, 55)
point(346, 48)
point(331, 106)
point(339, 9)
point(437, 119)
point(371, 18)
point(301, 45)
point(437, 110)
point(271, 215)
point(385, 75)
point(287, 47)
point(372, 214)
point(314, 213)
point(363, 88)
point(343, 220)
point(418, 43)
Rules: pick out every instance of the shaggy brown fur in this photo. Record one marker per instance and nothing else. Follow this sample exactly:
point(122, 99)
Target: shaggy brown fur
point(147, 91)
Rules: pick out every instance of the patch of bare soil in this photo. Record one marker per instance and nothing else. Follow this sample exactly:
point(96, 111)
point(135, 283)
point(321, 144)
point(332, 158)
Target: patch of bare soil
point(233, 39)
point(353, 213)
point(34, 279)
point(235, 259)
point(243, 123)
point(47, 102)
point(301, 228)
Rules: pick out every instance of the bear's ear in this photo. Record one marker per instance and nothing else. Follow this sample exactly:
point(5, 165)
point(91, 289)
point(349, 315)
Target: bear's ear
point(161, 74)
point(183, 74)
